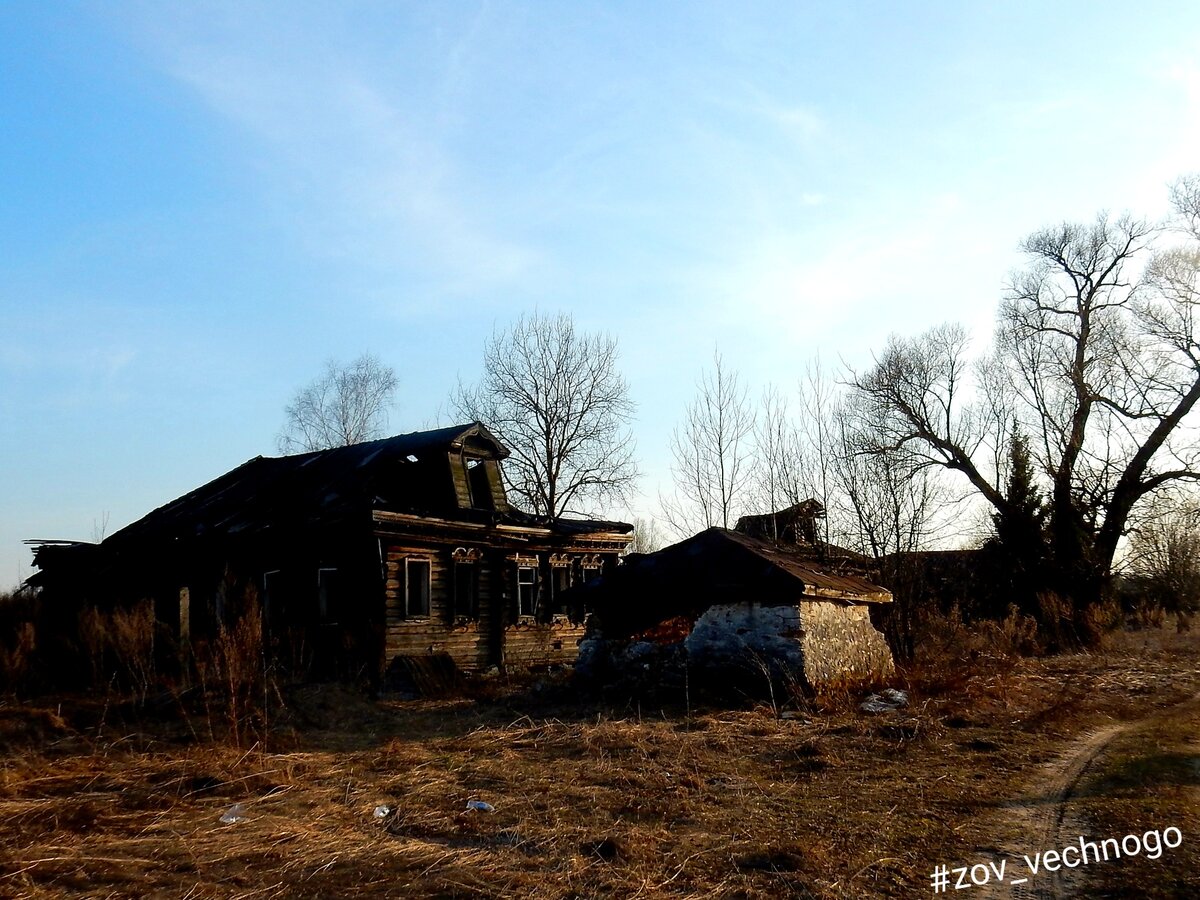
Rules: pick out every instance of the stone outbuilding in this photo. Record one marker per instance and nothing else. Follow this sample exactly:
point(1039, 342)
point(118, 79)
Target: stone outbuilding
point(738, 603)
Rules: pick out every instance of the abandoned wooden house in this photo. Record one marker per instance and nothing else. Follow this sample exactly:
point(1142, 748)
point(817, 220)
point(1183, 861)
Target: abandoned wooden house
point(738, 602)
point(358, 555)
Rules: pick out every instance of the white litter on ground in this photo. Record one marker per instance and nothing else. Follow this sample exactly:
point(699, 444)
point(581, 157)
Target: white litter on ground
point(888, 700)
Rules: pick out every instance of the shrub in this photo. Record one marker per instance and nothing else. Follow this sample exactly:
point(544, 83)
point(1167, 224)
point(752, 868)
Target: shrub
point(120, 646)
point(18, 639)
point(16, 657)
point(235, 677)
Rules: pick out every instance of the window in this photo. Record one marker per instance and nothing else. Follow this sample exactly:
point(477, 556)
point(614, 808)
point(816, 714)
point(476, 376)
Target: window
point(479, 480)
point(272, 594)
point(416, 578)
point(560, 581)
point(526, 590)
point(591, 569)
point(327, 595)
point(466, 589)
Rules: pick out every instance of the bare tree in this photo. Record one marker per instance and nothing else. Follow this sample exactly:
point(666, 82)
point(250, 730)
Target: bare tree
point(822, 442)
point(647, 537)
point(100, 527)
point(1185, 197)
point(712, 451)
point(890, 499)
point(1101, 359)
point(347, 405)
point(1163, 560)
point(554, 396)
point(778, 460)
point(889, 510)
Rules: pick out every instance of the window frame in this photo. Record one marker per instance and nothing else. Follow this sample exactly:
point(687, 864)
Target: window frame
point(468, 569)
point(324, 616)
point(560, 570)
point(532, 585)
point(409, 562)
point(270, 599)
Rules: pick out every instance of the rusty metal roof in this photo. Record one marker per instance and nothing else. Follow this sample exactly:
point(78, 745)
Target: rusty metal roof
point(821, 578)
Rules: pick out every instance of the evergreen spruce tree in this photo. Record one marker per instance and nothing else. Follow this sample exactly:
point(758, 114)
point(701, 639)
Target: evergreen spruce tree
point(1020, 539)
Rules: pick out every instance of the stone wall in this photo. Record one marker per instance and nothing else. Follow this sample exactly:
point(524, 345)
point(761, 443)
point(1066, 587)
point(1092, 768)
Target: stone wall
point(746, 635)
point(840, 645)
point(830, 643)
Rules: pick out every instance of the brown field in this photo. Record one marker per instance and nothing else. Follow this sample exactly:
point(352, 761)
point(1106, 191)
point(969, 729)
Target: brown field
point(103, 800)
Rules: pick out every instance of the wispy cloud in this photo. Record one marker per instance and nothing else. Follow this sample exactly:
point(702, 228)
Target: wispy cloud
point(1183, 152)
point(848, 288)
point(98, 374)
point(358, 158)
point(801, 123)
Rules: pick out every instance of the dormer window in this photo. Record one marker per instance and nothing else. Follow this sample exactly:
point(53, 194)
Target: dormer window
point(479, 478)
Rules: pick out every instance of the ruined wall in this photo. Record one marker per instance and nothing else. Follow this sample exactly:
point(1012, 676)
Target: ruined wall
point(830, 643)
point(745, 636)
point(464, 641)
point(841, 645)
point(472, 642)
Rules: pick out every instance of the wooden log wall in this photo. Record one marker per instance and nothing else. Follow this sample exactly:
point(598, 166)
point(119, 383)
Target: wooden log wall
point(473, 643)
point(538, 644)
point(464, 639)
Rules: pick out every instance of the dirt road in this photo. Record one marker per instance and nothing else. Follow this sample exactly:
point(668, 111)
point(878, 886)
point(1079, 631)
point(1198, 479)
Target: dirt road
point(1046, 818)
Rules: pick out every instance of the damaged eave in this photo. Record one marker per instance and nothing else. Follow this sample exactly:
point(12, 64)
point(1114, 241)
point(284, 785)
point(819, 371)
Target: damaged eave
point(847, 596)
point(385, 517)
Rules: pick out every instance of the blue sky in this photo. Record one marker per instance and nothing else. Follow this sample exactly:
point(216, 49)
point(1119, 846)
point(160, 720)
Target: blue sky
point(203, 202)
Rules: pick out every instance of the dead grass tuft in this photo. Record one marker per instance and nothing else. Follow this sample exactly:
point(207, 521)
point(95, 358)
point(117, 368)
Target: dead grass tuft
point(16, 656)
point(120, 646)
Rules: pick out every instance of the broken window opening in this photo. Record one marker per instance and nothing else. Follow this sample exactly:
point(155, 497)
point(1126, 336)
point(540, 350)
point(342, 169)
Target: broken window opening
point(560, 582)
point(526, 590)
point(416, 590)
point(591, 570)
point(272, 594)
point(466, 589)
point(327, 595)
point(479, 485)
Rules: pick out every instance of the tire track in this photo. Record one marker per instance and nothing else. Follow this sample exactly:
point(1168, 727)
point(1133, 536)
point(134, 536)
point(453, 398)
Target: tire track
point(1037, 820)
point(1044, 820)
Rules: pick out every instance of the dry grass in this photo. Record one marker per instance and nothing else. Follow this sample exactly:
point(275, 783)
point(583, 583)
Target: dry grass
point(235, 680)
point(119, 645)
point(588, 801)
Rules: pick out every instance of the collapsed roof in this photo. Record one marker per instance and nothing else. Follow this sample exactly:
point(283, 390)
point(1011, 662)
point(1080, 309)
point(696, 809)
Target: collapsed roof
point(406, 473)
